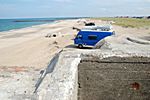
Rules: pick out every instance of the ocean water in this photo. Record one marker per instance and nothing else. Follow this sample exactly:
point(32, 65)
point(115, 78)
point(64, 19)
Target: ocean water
point(10, 24)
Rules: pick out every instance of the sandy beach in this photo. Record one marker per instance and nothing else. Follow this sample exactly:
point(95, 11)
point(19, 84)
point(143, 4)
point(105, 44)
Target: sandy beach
point(30, 47)
point(24, 52)
point(74, 50)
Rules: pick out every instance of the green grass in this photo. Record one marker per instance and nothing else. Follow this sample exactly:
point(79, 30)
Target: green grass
point(128, 22)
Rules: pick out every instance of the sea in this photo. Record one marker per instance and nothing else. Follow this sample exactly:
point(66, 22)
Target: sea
point(11, 24)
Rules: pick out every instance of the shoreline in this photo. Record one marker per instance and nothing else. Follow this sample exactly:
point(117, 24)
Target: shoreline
point(11, 30)
point(30, 46)
point(53, 21)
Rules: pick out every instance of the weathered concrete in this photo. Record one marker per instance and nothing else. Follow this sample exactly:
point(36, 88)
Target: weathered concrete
point(61, 84)
point(114, 78)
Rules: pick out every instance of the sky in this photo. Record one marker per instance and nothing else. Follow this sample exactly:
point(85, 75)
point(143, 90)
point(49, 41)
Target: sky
point(73, 8)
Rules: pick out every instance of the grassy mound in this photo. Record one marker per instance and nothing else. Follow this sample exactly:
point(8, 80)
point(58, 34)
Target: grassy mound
point(128, 22)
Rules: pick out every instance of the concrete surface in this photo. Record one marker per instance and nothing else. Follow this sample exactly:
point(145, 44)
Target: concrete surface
point(61, 84)
point(114, 78)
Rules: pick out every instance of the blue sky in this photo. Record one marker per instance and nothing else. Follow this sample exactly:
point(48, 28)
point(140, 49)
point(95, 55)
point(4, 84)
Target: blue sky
point(70, 8)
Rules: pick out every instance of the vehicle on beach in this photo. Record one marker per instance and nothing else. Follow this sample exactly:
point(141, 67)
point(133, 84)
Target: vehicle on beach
point(90, 36)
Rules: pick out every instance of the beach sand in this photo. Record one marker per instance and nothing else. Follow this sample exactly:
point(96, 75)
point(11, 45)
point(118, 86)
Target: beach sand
point(24, 52)
point(29, 47)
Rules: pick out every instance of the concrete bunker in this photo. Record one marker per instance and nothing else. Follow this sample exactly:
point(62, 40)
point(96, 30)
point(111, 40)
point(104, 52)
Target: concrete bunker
point(114, 78)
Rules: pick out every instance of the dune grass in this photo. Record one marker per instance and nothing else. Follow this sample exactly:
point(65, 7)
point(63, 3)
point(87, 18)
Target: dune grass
point(128, 22)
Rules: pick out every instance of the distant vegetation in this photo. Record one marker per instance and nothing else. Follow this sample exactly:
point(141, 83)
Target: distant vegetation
point(129, 22)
